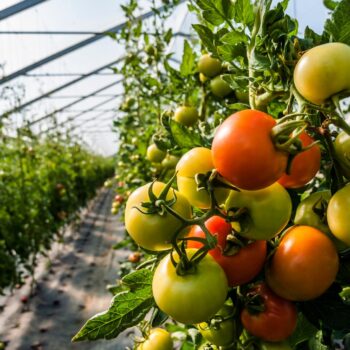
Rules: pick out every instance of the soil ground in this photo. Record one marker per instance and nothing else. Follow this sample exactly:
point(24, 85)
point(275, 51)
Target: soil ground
point(70, 287)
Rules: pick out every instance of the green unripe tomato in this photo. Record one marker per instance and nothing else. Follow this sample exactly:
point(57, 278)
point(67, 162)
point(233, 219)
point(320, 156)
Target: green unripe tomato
point(220, 87)
point(170, 161)
point(338, 214)
point(223, 333)
point(323, 71)
point(158, 339)
point(342, 152)
point(154, 154)
point(242, 96)
point(209, 66)
point(186, 115)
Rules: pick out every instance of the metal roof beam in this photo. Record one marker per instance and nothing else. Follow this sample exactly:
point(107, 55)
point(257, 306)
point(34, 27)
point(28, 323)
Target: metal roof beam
point(75, 102)
point(74, 47)
point(61, 87)
point(19, 7)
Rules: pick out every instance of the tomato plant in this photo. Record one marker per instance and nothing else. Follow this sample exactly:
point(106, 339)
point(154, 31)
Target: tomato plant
point(197, 161)
point(304, 264)
point(243, 151)
point(241, 264)
point(194, 297)
point(275, 321)
point(148, 228)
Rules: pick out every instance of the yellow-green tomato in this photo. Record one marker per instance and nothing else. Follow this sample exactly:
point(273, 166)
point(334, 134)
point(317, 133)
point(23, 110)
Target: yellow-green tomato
point(209, 66)
point(186, 115)
point(268, 211)
point(191, 298)
point(338, 214)
point(242, 96)
point(197, 161)
point(275, 346)
point(220, 87)
point(342, 152)
point(158, 339)
point(154, 154)
point(222, 333)
point(323, 71)
point(202, 78)
point(170, 161)
point(154, 231)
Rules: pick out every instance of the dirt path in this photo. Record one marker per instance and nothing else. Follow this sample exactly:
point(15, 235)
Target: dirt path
point(70, 290)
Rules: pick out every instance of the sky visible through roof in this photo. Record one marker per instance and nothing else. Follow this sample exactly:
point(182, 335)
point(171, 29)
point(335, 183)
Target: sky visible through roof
point(18, 51)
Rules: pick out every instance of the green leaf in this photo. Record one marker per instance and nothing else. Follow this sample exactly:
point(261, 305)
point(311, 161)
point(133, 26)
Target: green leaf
point(213, 17)
point(244, 12)
point(127, 309)
point(183, 137)
point(206, 36)
point(304, 331)
point(338, 26)
point(330, 4)
point(230, 53)
point(238, 106)
point(187, 66)
point(315, 343)
point(234, 37)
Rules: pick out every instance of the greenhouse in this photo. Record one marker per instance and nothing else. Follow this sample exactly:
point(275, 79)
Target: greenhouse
point(174, 175)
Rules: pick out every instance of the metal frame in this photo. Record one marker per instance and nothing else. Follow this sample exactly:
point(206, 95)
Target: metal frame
point(19, 7)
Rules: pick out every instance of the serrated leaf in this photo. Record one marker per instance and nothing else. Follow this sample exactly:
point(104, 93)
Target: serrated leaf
point(244, 12)
point(127, 309)
point(338, 26)
point(234, 37)
point(206, 36)
point(304, 331)
point(184, 138)
point(213, 17)
point(230, 53)
point(188, 60)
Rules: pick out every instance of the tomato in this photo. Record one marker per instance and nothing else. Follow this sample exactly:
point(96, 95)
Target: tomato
point(275, 346)
point(134, 257)
point(202, 78)
point(304, 264)
point(342, 152)
point(197, 161)
point(193, 298)
point(154, 154)
point(323, 71)
point(158, 339)
point(209, 66)
point(268, 211)
point(304, 166)
point(223, 333)
point(241, 267)
point(170, 161)
point(186, 115)
point(153, 231)
point(119, 198)
point(242, 96)
point(338, 214)
point(275, 322)
point(312, 212)
point(243, 151)
point(220, 87)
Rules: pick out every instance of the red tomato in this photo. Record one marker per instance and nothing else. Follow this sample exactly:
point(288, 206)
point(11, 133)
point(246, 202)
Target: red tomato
point(244, 153)
point(241, 267)
point(275, 322)
point(304, 166)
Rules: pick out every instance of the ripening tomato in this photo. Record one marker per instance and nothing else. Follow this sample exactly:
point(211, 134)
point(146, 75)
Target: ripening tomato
point(197, 161)
point(194, 297)
point(304, 264)
point(209, 66)
point(304, 166)
point(275, 322)
point(268, 211)
point(240, 267)
point(244, 153)
point(158, 339)
point(338, 214)
point(219, 87)
point(186, 115)
point(323, 71)
point(154, 154)
point(342, 152)
point(153, 231)
point(223, 333)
